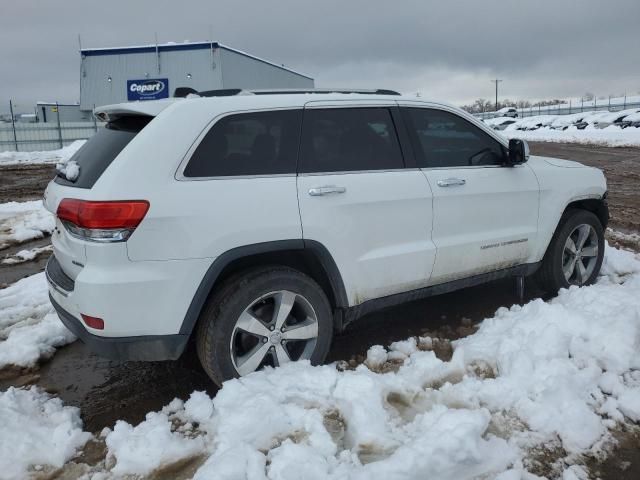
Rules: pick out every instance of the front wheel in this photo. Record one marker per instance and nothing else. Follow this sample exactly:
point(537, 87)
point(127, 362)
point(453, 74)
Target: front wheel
point(575, 254)
point(264, 317)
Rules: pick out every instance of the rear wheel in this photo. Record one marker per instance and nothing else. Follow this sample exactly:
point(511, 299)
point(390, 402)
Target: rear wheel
point(264, 317)
point(575, 254)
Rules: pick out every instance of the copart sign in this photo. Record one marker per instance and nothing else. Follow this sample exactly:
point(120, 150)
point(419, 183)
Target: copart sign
point(148, 89)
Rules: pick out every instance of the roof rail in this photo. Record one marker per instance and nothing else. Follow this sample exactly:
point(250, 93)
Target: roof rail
point(227, 92)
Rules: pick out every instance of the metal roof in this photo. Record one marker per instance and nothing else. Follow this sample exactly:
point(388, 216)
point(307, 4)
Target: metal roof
point(173, 47)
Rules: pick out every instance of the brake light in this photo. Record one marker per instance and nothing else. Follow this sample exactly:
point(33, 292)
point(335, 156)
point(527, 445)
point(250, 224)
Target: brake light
point(112, 221)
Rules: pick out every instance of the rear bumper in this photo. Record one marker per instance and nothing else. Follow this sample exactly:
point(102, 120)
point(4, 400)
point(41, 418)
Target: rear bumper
point(139, 348)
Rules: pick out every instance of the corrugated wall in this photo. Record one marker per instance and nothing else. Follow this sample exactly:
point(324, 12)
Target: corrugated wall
point(229, 70)
point(240, 71)
point(174, 65)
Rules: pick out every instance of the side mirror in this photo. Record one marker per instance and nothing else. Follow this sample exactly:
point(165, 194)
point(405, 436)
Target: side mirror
point(518, 151)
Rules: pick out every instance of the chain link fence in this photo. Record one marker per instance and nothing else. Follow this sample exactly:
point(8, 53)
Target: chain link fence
point(29, 136)
point(611, 104)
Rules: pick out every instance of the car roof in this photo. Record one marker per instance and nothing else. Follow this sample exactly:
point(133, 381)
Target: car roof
point(250, 101)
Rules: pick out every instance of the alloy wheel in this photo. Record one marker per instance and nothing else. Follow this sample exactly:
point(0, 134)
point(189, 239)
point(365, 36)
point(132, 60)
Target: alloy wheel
point(276, 328)
point(580, 254)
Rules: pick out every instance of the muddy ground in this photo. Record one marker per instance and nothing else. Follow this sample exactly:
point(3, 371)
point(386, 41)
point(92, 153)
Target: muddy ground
point(106, 391)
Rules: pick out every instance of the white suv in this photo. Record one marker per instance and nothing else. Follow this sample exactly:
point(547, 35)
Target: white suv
point(263, 222)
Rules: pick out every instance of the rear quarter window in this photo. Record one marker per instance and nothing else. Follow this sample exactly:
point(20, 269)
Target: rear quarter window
point(95, 156)
point(254, 143)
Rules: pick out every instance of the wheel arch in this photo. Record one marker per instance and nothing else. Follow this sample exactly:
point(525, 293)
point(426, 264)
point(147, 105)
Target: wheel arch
point(597, 206)
point(308, 256)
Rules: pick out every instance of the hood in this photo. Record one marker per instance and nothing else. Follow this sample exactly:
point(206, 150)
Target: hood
point(557, 162)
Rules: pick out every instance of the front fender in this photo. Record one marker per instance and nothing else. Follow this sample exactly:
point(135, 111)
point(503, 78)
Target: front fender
point(562, 184)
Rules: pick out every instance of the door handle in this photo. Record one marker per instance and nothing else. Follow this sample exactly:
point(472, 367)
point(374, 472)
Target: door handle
point(451, 182)
point(326, 190)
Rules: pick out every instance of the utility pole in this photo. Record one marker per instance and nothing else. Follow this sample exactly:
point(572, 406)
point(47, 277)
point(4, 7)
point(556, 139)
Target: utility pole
point(496, 81)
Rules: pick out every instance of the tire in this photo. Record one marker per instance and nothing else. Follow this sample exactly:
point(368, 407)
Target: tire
point(557, 261)
point(224, 346)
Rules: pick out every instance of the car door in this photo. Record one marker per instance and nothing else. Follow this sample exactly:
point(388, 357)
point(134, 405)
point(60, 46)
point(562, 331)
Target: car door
point(485, 213)
point(359, 200)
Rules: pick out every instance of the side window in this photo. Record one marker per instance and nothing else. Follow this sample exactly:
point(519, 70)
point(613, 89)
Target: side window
point(442, 139)
point(261, 143)
point(349, 139)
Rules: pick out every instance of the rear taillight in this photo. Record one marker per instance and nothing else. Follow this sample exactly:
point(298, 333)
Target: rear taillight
point(101, 221)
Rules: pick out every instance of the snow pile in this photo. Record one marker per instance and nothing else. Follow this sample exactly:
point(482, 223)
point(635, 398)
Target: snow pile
point(23, 221)
point(52, 156)
point(69, 169)
point(26, 255)
point(37, 431)
point(29, 328)
point(151, 445)
point(556, 375)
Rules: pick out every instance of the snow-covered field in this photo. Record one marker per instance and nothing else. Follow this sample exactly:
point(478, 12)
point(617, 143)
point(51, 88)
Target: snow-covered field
point(555, 376)
point(51, 156)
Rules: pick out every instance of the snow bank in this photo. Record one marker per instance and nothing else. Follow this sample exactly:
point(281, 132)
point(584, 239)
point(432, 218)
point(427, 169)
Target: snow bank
point(29, 328)
point(51, 156)
point(152, 444)
point(37, 430)
point(545, 375)
point(26, 255)
point(23, 221)
point(548, 128)
point(609, 137)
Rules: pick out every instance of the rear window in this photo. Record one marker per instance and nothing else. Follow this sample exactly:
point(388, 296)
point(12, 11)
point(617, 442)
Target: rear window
point(96, 155)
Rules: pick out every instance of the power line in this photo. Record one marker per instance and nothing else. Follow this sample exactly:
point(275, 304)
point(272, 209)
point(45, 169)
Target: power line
point(496, 81)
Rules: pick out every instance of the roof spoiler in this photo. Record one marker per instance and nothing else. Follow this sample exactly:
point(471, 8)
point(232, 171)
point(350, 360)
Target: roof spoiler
point(109, 113)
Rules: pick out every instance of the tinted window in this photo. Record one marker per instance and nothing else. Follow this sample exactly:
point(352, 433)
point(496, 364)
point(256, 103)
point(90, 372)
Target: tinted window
point(349, 139)
point(442, 139)
point(100, 150)
point(263, 143)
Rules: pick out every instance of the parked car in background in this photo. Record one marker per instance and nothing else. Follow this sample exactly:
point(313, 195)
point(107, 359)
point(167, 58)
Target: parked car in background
point(500, 123)
point(535, 122)
point(614, 118)
point(632, 120)
point(507, 112)
point(590, 119)
point(504, 124)
point(562, 122)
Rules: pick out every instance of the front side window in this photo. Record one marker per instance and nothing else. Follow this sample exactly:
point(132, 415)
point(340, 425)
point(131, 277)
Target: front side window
point(442, 139)
point(349, 139)
point(259, 143)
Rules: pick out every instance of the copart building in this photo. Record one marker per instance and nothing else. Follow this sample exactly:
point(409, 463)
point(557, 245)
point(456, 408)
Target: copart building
point(149, 72)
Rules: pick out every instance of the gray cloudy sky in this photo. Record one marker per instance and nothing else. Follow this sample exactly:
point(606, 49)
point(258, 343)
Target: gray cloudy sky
point(448, 49)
